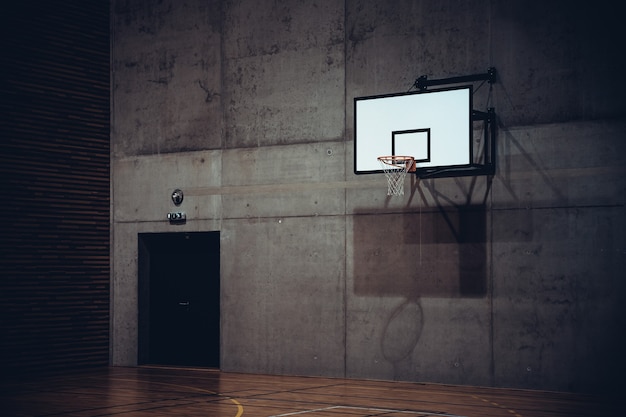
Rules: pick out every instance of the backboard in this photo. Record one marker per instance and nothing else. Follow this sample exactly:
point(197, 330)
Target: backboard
point(434, 126)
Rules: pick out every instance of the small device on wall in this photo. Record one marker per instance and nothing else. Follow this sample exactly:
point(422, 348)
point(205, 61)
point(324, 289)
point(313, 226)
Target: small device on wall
point(177, 196)
point(177, 217)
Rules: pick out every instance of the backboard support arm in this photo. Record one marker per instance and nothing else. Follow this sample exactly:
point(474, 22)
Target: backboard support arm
point(422, 83)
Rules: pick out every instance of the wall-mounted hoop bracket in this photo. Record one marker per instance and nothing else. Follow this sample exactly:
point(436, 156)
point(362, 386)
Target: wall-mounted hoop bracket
point(488, 118)
point(422, 83)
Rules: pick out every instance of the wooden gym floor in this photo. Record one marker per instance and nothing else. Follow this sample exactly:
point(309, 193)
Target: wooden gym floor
point(157, 391)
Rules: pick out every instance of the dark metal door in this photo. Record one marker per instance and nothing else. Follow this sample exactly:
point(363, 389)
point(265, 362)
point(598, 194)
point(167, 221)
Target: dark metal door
point(179, 303)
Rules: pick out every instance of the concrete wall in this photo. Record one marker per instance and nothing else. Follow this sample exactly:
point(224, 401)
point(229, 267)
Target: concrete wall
point(247, 106)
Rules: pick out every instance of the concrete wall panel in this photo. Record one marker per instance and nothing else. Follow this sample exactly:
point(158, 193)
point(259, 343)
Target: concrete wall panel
point(557, 320)
point(124, 295)
point(167, 87)
point(143, 186)
point(418, 295)
point(390, 44)
point(555, 61)
point(368, 194)
point(283, 295)
point(284, 80)
point(288, 98)
point(561, 165)
point(293, 164)
point(414, 338)
point(283, 181)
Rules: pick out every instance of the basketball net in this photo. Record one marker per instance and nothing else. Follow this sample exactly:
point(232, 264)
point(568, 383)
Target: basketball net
point(395, 168)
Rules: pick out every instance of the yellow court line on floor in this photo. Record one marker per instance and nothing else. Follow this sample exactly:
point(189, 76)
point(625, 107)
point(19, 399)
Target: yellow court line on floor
point(513, 412)
point(234, 401)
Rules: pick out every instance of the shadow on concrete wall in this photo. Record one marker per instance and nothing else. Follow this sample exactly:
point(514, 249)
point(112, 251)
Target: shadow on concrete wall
point(402, 332)
point(438, 252)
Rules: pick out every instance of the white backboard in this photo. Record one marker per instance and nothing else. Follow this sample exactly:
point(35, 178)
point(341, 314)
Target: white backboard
point(434, 127)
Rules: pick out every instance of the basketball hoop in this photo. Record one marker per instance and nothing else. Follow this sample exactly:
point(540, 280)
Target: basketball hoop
point(395, 168)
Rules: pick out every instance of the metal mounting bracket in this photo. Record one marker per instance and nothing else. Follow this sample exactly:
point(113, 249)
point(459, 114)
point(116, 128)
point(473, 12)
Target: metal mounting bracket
point(488, 118)
point(422, 83)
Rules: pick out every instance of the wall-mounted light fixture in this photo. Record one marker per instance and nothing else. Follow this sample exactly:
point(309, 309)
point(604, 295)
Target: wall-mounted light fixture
point(177, 196)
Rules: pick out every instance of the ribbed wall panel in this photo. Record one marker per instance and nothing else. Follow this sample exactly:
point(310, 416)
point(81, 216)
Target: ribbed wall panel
point(54, 171)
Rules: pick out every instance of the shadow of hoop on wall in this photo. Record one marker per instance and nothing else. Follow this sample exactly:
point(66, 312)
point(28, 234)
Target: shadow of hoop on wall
point(402, 331)
point(438, 252)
